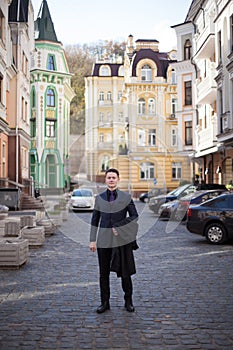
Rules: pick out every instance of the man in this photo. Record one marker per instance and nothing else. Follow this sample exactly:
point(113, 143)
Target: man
point(113, 235)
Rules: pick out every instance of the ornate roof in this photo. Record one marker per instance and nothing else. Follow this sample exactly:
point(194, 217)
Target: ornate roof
point(44, 25)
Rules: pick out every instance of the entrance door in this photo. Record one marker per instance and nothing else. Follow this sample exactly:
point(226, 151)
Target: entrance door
point(51, 171)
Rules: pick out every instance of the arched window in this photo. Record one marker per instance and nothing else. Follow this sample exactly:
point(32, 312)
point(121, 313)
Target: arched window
point(141, 106)
point(151, 106)
point(109, 95)
point(101, 96)
point(187, 49)
point(105, 163)
point(50, 98)
point(104, 71)
point(146, 73)
point(146, 171)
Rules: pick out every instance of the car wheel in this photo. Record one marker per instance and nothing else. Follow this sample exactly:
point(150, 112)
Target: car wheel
point(215, 233)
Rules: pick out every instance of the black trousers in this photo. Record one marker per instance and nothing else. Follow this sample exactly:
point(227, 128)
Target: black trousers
point(104, 257)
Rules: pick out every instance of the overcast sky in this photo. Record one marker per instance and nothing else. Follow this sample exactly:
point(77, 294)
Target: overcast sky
point(78, 22)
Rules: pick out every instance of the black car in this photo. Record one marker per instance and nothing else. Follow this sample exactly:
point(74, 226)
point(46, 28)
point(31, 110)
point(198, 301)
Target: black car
point(156, 202)
point(212, 219)
point(194, 198)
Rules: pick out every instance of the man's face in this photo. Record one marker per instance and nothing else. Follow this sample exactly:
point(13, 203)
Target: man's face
point(111, 180)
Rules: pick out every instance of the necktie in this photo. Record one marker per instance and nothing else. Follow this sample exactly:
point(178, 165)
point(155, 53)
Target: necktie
point(111, 197)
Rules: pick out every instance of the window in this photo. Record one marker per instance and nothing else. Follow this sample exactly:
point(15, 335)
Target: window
point(50, 98)
point(188, 133)
point(176, 171)
point(33, 127)
point(141, 138)
point(33, 98)
point(141, 106)
point(146, 171)
point(219, 47)
point(187, 49)
point(105, 163)
point(152, 137)
point(231, 32)
point(51, 64)
point(151, 106)
point(119, 96)
point(109, 96)
point(101, 96)
point(1, 88)
point(174, 137)
point(188, 93)
point(146, 73)
point(101, 117)
point(104, 71)
point(101, 137)
point(174, 76)
point(50, 128)
point(174, 105)
point(120, 117)
point(2, 26)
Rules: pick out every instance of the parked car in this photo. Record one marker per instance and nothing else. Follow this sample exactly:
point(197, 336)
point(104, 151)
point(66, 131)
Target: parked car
point(212, 219)
point(157, 201)
point(145, 197)
point(194, 198)
point(82, 199)
point(168, 210)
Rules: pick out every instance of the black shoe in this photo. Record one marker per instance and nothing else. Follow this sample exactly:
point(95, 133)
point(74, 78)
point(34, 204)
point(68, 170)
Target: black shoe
point(129, 307)
point(103, 307)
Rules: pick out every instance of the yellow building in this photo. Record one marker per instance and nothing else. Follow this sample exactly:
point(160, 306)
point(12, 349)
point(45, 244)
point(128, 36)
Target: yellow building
point(131, 119)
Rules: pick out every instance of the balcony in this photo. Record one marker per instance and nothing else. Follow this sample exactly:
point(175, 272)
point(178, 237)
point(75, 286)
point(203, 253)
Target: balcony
point(207, 137)
point(105, 124)
point(207, 87)
point(105, 145)
point(105, 103)
point(205, 41)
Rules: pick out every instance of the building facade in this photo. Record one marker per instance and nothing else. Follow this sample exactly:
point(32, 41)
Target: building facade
point(208, 52)
point(131, 120)
point(16, 47)
point(50, 97)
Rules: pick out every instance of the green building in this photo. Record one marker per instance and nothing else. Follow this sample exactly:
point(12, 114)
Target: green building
point(50, 98)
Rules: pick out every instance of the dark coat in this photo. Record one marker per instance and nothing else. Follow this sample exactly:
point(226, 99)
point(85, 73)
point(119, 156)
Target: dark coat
point(122, 215)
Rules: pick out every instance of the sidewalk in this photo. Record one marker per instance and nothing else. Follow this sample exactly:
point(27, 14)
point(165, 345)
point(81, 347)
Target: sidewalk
point(182, 295)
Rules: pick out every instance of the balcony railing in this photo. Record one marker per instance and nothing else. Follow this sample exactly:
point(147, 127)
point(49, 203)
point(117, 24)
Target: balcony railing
point(105, 124)
point(205, 39)
point(206, 87)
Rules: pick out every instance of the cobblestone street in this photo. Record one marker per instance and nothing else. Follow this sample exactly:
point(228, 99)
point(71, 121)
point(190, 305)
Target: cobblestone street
point(182, 294)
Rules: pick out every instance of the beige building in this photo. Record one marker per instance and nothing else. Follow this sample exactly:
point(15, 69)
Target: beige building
point(131, 120)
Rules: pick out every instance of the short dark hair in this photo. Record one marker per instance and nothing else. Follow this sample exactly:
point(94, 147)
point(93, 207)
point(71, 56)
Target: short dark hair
point(112, 170)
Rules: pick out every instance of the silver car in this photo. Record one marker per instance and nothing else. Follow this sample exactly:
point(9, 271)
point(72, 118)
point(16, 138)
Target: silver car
point(82, 199)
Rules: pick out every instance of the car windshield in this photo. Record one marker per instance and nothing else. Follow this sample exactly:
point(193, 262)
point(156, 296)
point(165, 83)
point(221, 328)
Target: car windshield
point(82, 193)
point(178, 190)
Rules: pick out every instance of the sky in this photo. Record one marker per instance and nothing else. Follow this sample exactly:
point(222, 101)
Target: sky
point(79, 22)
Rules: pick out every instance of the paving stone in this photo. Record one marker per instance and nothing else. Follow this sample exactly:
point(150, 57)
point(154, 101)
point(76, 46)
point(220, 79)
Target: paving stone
point(180, 295)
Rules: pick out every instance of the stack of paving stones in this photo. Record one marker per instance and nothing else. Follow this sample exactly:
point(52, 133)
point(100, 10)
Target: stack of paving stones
point(14, 250)
point(34, 234)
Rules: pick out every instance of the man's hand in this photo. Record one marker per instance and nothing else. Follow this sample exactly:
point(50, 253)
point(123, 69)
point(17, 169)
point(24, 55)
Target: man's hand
point(115, 232)
point(92, 246)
